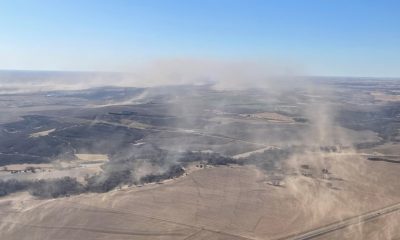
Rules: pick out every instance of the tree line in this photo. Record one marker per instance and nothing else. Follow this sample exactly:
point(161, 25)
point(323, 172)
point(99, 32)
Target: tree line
point(120, 171)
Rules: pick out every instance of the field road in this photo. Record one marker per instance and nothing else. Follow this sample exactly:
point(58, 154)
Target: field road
point(172, 130)
point(343, 224)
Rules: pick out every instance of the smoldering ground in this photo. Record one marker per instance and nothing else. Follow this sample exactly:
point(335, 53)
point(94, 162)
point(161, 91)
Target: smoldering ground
point(316, 161)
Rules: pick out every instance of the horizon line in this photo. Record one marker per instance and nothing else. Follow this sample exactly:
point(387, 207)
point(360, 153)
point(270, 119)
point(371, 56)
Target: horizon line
point(127, 72)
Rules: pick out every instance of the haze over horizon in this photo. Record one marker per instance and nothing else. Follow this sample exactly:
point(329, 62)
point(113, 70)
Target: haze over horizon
point(340, 38)
point(199, 119)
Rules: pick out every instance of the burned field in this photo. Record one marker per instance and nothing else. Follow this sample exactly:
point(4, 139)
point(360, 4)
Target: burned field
point(200, 162)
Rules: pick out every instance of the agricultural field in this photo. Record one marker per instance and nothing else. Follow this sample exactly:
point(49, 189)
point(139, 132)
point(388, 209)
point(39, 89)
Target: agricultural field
point(192, 162)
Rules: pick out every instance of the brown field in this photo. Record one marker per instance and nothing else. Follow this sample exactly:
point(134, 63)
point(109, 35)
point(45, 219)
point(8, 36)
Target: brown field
point(231, 202)
point(86, 164)
point(91, 157)
point(385, 227)
point(385, 149)
point(21, 167)
point(381, 96)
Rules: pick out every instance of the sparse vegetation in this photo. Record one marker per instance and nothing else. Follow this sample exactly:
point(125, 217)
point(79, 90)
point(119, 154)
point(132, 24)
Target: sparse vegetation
point(55, 187)
point(51, 188)
point(116, 173)
point(107, 181)
point(208, 158)
point(173, 172)
point(12, 186)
